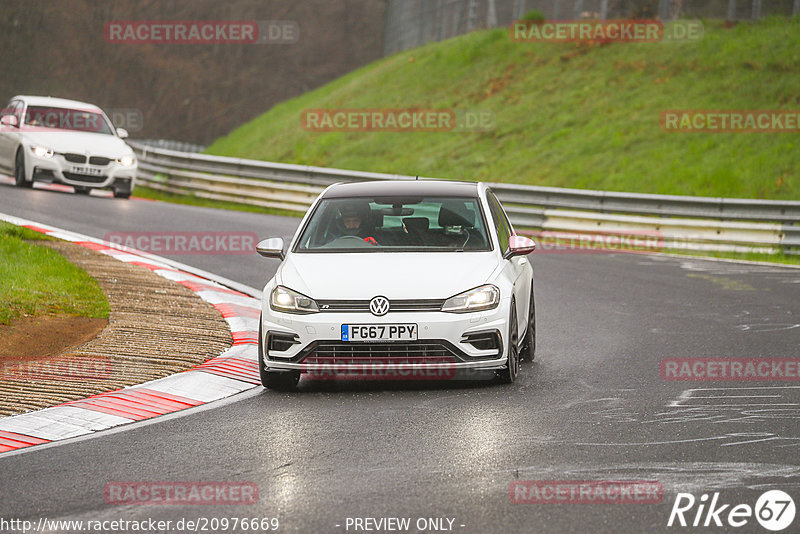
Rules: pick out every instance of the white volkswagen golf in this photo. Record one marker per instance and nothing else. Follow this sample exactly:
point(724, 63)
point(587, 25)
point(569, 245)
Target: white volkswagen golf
point(45, 139)
point(411, 279)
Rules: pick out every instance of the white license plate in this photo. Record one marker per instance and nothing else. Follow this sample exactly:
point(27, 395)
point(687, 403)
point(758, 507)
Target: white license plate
point(379, 332)
point(88, 171)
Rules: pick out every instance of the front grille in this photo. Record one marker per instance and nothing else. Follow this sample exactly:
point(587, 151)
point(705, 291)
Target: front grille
point(75, 158)
point(394, 305)
point(99, 160)
point(336, 352)
point(85, 178)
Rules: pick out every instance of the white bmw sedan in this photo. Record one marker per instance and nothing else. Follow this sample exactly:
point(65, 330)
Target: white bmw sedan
point(398, 279)
point(45, 139)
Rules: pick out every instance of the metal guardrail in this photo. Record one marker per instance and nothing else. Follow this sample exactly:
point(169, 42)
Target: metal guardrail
point(693, 223)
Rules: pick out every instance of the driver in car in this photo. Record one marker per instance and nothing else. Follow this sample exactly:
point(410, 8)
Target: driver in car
point(355, 222)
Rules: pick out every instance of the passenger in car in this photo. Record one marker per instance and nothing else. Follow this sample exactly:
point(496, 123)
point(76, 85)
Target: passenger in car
point(458, 227)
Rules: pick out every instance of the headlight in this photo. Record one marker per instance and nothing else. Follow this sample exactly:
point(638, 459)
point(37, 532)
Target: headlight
point(285, 300)
point(126, 161)
point(42, 152)
point(481, 298)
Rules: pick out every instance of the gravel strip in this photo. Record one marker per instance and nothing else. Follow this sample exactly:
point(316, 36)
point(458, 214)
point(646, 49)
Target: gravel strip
point(156, 328)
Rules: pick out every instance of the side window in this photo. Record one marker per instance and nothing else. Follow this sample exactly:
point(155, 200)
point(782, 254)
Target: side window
point(501, 224)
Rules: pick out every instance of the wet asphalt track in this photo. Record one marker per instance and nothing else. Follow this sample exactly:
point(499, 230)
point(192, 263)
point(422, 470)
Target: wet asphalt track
point(592, 406)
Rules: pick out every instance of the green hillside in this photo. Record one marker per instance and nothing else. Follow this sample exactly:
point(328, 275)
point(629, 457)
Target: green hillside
point(567, 115)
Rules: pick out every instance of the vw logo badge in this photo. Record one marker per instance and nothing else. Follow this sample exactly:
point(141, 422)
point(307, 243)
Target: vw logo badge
point(379, 306)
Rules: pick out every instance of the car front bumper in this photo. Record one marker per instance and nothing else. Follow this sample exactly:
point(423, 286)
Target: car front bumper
point(313, 342)
point(58, 169)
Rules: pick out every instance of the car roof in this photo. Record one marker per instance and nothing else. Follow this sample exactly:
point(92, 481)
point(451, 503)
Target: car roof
point(403, 187)
point(59, 102)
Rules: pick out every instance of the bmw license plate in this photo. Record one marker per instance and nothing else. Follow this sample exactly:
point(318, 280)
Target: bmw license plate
point(379, 332)
point(88, 171)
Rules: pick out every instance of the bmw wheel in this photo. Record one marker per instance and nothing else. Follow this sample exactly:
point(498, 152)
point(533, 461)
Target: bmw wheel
point(19, 170)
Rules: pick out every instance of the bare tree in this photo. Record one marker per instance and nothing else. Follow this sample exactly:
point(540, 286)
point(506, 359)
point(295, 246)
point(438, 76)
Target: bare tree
point(578, 8)
point(677, 7)
point(491, 15)
point(519, 8)
point(731, 9)
point(756, 9)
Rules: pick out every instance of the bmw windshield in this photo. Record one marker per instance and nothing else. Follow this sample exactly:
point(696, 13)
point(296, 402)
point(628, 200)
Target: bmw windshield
point(396, 224)
point(78, 120)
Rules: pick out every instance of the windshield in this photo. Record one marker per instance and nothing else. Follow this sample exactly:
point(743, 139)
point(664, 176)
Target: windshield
point(66, 119)
point(396, 224)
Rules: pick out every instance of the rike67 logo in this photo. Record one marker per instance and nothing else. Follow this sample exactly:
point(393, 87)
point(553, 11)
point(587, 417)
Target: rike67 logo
point(774, 510)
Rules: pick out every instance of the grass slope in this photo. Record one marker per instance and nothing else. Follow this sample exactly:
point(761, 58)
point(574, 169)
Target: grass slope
point(567, 115)
point(39, 281)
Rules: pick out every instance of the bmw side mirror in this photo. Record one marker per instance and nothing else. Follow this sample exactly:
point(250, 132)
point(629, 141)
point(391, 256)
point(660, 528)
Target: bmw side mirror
point(122, 133)
point(271, 248)
point(9, 120)
point(520, 246)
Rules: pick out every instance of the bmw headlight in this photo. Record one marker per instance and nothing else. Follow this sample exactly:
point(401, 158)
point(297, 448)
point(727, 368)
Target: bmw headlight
point(126, 161)
point(42, 152)
point(285, 300)
point(481, 298)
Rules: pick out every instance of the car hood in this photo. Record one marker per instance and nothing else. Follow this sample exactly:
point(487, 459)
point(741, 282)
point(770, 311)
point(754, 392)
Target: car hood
point(79, 142)
point(394, 275)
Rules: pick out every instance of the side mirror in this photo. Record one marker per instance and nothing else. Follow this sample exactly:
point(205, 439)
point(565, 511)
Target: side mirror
point(520, 246)
point(271, 248)
point(122, 133)
point(9, 120)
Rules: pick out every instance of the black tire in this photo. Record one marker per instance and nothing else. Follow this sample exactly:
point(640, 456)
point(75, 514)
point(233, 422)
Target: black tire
point(122, 194)
point(19, 170)
point(509, 374)
point(79, 190)
point(528, 352)
point(277, 380)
